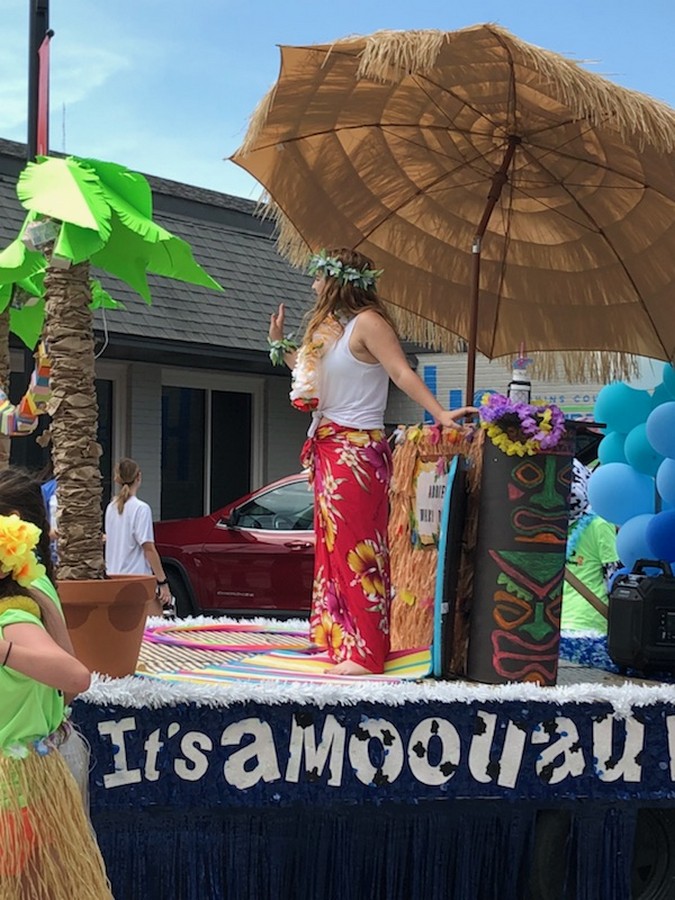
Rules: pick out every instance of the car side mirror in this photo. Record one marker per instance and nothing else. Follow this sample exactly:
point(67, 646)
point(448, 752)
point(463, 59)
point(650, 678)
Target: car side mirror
point(233, 519)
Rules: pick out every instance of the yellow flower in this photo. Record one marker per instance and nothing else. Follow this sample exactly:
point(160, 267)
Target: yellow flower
point(407, 597)
point(327, 633)
point(358, 438)
point(17, 539)
point(363, 561)
point(329, 524)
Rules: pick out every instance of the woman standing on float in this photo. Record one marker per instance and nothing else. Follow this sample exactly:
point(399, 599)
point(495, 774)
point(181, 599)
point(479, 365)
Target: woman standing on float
point(341, 374)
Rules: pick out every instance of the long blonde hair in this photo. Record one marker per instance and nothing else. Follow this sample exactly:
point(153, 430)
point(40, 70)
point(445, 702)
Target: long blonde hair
point(126, 472)
point(344, 299)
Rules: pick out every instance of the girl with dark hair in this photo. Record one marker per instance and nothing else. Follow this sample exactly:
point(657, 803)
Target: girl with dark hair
point(20, 494)
point(47, 848)
point(341, 375)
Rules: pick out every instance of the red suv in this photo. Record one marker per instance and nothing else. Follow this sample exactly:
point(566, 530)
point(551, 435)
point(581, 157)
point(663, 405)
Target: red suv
point(255, 555)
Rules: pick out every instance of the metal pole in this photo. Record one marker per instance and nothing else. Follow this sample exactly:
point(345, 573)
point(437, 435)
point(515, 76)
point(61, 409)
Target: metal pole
point(38, 27)
point(499, 179)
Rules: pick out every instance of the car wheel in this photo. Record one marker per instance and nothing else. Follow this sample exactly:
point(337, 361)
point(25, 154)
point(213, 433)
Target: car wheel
point(548, 872)
point(180, 591)
point(654, 855)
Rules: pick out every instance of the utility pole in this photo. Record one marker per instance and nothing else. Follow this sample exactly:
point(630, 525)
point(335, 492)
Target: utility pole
point(38, 108)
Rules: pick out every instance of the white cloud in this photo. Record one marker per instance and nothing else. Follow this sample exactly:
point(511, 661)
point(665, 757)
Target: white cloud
point(77, 72)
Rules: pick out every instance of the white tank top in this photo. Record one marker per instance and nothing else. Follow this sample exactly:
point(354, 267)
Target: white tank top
point(351, 392)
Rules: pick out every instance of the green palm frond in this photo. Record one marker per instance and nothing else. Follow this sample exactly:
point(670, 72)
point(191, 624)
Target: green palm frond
point(65, 190)
point(104, 214)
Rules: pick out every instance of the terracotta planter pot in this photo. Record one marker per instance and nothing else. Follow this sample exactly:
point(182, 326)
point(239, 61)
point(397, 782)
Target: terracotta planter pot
point(106, 619)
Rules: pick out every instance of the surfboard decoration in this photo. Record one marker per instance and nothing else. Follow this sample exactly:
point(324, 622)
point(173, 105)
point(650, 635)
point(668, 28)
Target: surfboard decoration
point(440, 604)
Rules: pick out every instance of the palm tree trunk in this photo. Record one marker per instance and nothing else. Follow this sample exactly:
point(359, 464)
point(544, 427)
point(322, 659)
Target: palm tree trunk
point(75, 451)
point(5, 440)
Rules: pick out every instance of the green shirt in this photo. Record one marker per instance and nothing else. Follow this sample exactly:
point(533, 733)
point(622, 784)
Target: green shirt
point(596, 548)
point(29, 710)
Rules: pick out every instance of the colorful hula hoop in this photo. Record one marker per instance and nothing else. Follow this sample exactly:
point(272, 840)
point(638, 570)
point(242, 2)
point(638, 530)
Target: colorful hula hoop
point(177, 636)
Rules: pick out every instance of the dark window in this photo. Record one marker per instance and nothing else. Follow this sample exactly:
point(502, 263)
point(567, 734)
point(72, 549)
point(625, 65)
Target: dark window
point(230, 447)
point(26, 452)
point(183, 425)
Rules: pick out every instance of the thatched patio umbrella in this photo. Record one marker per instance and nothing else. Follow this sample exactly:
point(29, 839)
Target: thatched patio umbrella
point(510, 195)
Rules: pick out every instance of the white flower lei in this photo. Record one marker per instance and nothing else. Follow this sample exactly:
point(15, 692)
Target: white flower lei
point(305, 387)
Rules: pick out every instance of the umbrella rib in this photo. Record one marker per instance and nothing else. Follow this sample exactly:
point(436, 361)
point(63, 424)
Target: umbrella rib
point(418, 78)
point(616, 255)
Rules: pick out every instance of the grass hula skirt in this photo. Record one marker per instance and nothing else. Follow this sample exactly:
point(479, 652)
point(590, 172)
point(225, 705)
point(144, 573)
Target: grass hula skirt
point(47, 849)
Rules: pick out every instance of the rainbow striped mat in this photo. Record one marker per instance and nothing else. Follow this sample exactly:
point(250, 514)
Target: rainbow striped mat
point(289, 665)
point(223, 651)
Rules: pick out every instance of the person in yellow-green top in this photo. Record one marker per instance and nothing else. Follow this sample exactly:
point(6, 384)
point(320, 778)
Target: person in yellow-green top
point(592, 559)
point(47, 849)
point(21, 495)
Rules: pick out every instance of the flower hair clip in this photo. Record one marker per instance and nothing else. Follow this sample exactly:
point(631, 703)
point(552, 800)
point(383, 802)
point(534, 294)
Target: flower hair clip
point(17, 540)
point(326, 266)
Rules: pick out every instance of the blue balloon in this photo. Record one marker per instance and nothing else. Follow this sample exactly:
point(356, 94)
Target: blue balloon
point(618, 493)
point(661, 395)
point(661, 535)
point(610, 448)
point(665, 482)
point(621, 407)
point(631, 541)
point(661, 429)
point(669, 379)
point(639, 452)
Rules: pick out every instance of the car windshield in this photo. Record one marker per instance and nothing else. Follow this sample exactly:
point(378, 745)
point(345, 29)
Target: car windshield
point(286, 508)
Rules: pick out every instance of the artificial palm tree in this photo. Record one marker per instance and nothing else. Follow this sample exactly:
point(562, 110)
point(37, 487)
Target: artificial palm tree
point(82, 212)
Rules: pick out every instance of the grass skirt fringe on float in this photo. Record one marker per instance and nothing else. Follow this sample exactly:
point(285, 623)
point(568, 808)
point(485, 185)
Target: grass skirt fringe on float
point(47, 849)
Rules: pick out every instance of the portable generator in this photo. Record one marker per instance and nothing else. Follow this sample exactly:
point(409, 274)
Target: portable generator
point(641, 618)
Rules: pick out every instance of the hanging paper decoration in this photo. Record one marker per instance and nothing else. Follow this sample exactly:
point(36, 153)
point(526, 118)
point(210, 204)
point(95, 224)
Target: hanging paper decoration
point(17, 421)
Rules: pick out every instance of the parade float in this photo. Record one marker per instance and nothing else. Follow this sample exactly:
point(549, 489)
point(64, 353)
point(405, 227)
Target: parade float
point(235, 765)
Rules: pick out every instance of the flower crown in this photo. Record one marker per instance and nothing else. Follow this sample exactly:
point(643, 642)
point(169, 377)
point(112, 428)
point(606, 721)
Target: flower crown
point(330, 266)
point(17, 540)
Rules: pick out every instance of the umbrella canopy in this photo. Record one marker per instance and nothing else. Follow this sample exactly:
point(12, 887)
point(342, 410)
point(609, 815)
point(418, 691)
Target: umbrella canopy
point(510, 195)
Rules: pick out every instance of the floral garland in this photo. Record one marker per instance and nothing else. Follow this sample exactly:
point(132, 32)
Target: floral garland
point(521, 429)
point(279, 349)
point(17, 540)
point(325, 266)
point(305, 385)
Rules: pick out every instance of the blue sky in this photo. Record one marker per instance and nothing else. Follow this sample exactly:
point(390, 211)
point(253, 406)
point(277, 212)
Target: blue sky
point(167, 86)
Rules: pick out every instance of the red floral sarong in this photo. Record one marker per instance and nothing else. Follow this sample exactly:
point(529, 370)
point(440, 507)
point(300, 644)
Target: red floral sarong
point(351, 470)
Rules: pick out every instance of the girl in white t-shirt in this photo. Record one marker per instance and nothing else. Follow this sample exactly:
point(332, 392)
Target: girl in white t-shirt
point(130, 541)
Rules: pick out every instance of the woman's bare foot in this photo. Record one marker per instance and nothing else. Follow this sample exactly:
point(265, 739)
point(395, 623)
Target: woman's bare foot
point(348, 668)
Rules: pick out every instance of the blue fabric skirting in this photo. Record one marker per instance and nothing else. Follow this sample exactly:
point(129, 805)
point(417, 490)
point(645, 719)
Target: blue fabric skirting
point(459, 850)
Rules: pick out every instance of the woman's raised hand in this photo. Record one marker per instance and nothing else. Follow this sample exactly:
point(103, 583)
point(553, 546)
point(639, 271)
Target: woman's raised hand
point(276, 332)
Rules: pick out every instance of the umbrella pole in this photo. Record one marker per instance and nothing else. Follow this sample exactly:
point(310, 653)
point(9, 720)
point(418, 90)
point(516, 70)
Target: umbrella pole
point(499, 179)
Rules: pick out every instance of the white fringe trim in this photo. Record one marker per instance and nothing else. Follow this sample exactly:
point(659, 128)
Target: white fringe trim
point(138, 692)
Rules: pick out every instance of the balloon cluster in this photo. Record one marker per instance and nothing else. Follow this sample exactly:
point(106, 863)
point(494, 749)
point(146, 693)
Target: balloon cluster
point(635, 486)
